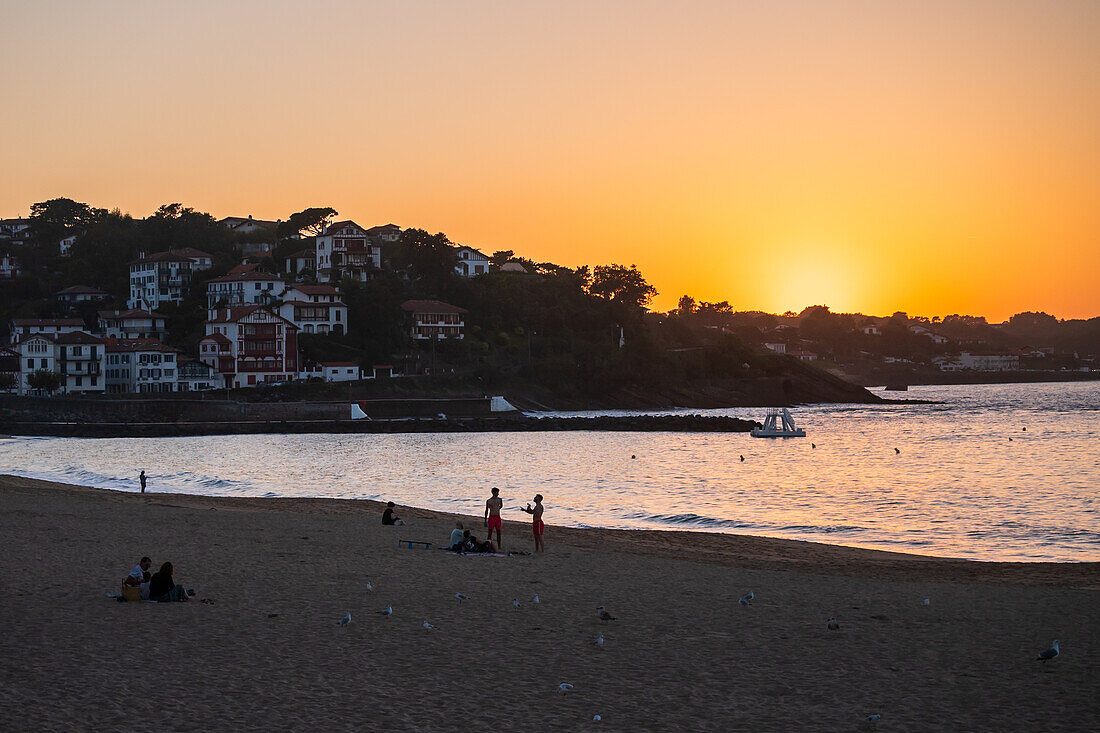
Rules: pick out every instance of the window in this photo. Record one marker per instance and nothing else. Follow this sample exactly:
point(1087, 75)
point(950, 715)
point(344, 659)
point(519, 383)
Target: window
point(30, 363)
point(80, 381)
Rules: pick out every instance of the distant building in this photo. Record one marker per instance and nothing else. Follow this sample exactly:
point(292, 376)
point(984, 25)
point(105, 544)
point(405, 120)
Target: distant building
point(301, 261)
point(333, 371)
point(435, 319)
point(250, 345)
point(471, 262)
point(248, 225)
point(15, 230)
point(778, 348)
point(385, 234)
point(9, 365)
point(989, 362)
point(200, 260)
point(20, 328)
point(193, 375)
point(344, 250)
point(315, 309)
point(79, 294)
point(871, 330)
point(920, 330)
point(244, 285)
point(139, 365)
point(77, 357)
point(513, 267)
point(9, 267)
point(65, 245)
point(132, 324)
point(802, 355)
point(164, 277)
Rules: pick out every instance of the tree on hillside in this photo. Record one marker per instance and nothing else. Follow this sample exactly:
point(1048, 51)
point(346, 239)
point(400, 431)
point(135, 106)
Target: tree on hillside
point(686, 305)
point(428, 259)
point(309, 222)
point(622, 285)
point(44, 380)
point(501, 256)
point(57, 218)
point(175, 226)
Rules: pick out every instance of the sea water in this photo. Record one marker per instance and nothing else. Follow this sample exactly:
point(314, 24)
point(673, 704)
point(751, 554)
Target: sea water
point(990, 472)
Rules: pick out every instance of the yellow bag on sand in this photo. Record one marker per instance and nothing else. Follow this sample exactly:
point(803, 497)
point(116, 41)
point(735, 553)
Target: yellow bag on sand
point(131, 593)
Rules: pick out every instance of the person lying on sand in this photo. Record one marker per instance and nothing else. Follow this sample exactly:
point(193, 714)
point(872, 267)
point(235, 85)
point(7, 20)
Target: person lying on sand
point(473, 544)
point(163, 588)
point(389, 518)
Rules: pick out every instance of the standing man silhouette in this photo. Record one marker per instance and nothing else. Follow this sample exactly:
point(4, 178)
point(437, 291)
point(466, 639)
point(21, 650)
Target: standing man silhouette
point(537, 526)
point(492, 516)
point(142, 479)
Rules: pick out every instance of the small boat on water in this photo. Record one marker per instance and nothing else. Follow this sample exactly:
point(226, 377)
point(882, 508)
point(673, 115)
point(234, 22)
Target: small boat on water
point(778, 424)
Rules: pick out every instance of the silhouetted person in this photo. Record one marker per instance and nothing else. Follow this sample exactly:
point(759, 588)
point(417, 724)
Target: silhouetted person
point(142, 479)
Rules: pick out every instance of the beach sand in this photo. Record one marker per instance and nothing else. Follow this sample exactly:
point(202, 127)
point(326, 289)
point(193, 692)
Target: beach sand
point(682, 655)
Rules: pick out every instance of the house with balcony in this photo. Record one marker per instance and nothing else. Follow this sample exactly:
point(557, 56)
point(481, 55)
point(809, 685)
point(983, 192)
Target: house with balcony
point(315, 309)
point(139, 366)
point(132, 324)
point(164, 277)
point(433, 319)
point(384, 234)
point(345, 250)
point(20, 328)
point(193, 375)
point(77, 357)
point(302, 261)
point(471, 262)
point(79, 294)
point(250, 345)
point(244, 285)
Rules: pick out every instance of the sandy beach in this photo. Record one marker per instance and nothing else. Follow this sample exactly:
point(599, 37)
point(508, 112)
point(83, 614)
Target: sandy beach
point(682, 655)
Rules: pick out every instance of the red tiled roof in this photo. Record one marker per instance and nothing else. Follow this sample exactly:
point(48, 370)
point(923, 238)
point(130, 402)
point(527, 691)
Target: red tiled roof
point(132, 313)
point(236, 313)
point(217, 338)
point(315, 289)
point(131, 345)
point(431, 306)
point(323, 304)
point(80, 290)
point(308, 254)
point(382, 228)
point(76, 337)
point(336, 225)
point(243, 275)
point(192, 252)
point(48, 322)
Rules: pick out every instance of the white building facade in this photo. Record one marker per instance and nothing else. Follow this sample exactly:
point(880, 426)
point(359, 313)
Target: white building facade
point(345, 250)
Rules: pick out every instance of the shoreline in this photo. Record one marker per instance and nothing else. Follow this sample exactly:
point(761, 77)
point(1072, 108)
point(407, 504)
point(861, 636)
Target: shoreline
point(725, 549)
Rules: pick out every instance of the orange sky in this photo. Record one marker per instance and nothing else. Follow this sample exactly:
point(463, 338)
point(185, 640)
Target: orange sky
point(933, 157)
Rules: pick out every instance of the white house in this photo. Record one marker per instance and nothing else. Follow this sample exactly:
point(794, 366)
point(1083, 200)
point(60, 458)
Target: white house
point(9, 267)
point(333, 371)
point(244, 285)
point(248, 225)
point(345, 250)
point(132, 324)
point(989, 362)
point(386, 233)
point(15, 229)
point(315, 309)
point(22, 327)
point(193, 375)
point(65, 245)
point(471, 262)
point(79, 294)
point(776, 347)
point(300, 261)
point(76, 356)
point(139, 365)
point(164, 277)
point(200, 260)
point(920, 330)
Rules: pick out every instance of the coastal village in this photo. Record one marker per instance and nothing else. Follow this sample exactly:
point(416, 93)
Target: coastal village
point(268, 306)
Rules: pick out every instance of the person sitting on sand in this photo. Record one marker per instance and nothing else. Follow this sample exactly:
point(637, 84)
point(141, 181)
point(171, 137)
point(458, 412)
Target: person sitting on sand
point(163, 588)
point(457, 537)
point(536, 522)
point(389, 518)
point(139, 577)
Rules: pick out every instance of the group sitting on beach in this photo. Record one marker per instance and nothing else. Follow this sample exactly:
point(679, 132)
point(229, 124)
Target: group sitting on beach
point(160, 586)
point(462, 540)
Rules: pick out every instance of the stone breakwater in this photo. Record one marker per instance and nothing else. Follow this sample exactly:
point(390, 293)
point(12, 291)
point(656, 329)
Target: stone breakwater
point(510, 423)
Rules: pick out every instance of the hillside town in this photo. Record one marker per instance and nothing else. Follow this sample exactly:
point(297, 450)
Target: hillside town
point(96, 302)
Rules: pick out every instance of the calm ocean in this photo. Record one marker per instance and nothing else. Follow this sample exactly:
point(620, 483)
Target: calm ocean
point(959, 488)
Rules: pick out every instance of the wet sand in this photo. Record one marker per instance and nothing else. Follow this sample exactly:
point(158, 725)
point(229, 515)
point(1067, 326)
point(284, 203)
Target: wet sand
point(682, 655)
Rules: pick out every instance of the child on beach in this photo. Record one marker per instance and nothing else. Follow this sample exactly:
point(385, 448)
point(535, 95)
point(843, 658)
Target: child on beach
point(492, 516)
point(536, 522)
point(389, 518)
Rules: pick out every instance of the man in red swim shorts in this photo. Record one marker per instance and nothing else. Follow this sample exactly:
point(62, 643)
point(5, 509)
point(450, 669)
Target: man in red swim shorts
point(536, 522)
point(492, 516)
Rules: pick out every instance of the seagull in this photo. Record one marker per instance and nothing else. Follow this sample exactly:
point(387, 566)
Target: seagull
point(345, 620)
point(874, 716)
point(897, 452)
point(742, 459)
point(428, 626)
point(1010, 439)
point(564, 687)
point(813, 445)
point(743, 601)
point(926, 602)
point(598, 643)
point(604, 615)
point(515, 602)
point(1051, 653)
point(597, 718)
point(369, 586)
point(462, 596)
point(535, 599)
point(387, 611)
point(833, 625)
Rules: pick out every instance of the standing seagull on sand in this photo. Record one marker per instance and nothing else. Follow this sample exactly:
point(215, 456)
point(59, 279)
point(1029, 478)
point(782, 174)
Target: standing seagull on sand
point(515, 603)
point(345, 620)
point(598, 643)
point(604, 615)
point(387, 611)
point(1048, 654)
point(833, 625)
